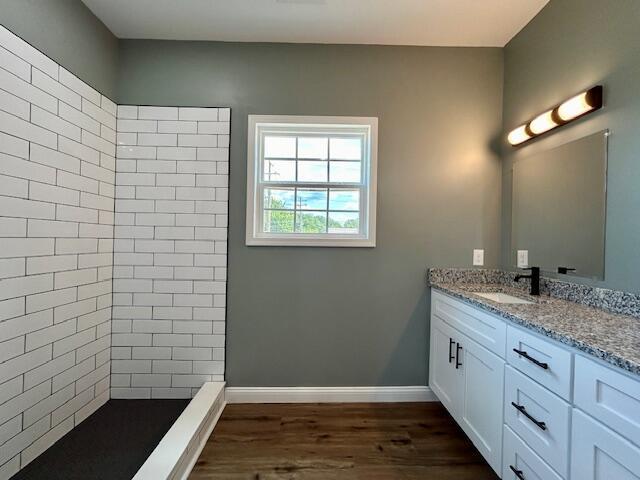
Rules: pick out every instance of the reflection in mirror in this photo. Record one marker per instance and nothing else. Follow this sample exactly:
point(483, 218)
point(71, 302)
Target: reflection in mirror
point(559, 205)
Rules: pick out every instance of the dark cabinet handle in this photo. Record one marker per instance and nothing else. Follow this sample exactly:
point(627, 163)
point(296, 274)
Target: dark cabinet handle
point(458, 362)
point(518, 473)
point(451, 356)
point(524, 354)
point(523, 411)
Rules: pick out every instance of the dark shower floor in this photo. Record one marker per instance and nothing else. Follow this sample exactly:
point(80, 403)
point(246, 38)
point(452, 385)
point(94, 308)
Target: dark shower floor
point(112, 444)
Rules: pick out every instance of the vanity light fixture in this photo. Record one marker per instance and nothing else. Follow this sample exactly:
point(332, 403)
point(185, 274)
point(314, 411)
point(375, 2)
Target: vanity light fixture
point(572, 109)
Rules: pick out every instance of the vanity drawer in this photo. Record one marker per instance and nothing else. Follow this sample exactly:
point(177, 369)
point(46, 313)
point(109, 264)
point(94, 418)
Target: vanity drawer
point(518, 456)
point(539, 417)
point(611, 397)
point(488, 331)
point(541, 360)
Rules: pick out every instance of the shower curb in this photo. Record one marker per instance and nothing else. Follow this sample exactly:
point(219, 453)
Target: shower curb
point(178, 451)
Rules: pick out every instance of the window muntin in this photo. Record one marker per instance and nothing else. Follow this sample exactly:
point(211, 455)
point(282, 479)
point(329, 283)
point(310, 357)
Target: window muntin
point(311, 183)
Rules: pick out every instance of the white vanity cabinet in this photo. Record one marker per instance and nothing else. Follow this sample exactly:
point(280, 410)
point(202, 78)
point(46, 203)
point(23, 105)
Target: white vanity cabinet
point(467, 377)
point(535, 408)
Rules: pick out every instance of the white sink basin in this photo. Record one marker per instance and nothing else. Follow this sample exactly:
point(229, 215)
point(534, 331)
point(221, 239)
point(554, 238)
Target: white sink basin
point(501, 297)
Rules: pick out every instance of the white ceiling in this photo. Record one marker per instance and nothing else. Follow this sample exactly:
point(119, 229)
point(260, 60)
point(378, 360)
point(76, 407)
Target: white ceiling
point(385, 22)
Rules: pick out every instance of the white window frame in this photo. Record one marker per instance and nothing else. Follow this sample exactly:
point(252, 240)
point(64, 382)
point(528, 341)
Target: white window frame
point(258, 124)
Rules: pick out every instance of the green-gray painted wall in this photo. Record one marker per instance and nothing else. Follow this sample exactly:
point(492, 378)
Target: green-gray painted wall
point(569, 46)
point(345, 316)
point(70, 34)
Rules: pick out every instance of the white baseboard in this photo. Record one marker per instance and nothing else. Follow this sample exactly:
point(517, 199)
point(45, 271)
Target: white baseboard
point(179, 449)
point(329, 394)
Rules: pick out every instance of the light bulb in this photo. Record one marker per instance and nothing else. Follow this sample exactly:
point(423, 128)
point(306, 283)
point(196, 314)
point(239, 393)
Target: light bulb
point(518, 135)
point(574, 107)
point(543, 123)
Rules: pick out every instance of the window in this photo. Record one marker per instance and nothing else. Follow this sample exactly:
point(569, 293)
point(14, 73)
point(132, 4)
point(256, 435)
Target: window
point(311, 181)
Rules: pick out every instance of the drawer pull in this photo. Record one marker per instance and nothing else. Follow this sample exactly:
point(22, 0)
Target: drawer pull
point(451, 356)
point(524, 354)
point(518, 473)
point(458, 362)
point(522, 410)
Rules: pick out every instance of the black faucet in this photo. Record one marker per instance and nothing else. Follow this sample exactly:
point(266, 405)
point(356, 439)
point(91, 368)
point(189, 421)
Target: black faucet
point(535, 279)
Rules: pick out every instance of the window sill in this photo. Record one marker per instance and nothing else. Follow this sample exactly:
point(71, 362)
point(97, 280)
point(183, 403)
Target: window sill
point(311, 242)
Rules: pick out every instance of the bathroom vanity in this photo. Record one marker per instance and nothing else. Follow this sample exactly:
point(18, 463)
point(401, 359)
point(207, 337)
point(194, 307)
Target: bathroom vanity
point(546, 388)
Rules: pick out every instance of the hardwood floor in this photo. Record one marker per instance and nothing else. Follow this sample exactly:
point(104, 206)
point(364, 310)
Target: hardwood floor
point(339, 442)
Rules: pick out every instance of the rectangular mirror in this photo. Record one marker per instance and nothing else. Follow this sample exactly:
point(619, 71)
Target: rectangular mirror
point(559, 207)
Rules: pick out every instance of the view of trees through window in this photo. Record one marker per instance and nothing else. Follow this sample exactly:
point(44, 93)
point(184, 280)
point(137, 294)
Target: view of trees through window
point(312, 184)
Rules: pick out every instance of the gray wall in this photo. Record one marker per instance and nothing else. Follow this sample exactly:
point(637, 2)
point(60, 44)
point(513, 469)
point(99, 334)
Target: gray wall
point(70, 34)
point(341, 316)
point(572, 45)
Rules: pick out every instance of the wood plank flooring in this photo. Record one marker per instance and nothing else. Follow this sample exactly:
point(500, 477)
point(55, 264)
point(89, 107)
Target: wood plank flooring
point(407, 441)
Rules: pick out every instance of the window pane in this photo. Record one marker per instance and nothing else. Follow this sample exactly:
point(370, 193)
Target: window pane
point(346, 148)
point(279, 171)
point(278, 221)
point(279, 198)
point(312, 199)
point(309, 171)
point(344, 200)
point(345, 172)
point(279, 147)
point(347, 223)
point(313, 147)
point(311, 222)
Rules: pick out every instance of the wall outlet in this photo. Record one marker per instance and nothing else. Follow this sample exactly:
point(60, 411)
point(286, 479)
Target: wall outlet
point(478, 258)
point(523, 258)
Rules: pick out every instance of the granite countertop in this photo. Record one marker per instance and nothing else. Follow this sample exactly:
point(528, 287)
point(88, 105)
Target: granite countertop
point(612, 337)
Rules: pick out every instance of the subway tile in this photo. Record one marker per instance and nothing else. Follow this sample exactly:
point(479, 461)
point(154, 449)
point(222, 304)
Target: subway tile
point(56, 89)
point(74, 83)
point(127, 112)
point(12, 267)
point(24, 90)
point(165, 126)
point(49, 264)
point(158, 139)
point(50, 334)
point(50, 193)
point(97, 173)
point(135, 152)
point(157, 166)
point(79, 118)
point(51, 228)
point(14, 146)
point(157, 113)
point(43, 301)
point(77, 182)
point(54, 159)
point(198, 114)
point(197, 167)
point(14, 105)
point(99, 114)
point(25, 247)
point(176, 153)
point(13, 187)
point(188, 140)
point(78, 150)
point(98, 143)
point(18, 167)
point(215, 128)
point(15, 65)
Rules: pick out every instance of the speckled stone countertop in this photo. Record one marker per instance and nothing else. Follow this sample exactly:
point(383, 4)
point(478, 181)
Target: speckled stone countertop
point(612, 337)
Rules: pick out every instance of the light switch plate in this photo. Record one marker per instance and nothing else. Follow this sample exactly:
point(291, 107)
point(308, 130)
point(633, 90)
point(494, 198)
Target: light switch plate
point(523, 258)
point(478, 258)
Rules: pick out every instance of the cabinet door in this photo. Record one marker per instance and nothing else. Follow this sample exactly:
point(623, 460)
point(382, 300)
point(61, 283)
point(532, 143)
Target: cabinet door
point(601, 454)
point(444, 379)
point(483, 400)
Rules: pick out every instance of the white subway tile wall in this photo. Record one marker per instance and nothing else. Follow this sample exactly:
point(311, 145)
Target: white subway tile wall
point(57, 178)
point(170, 250)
